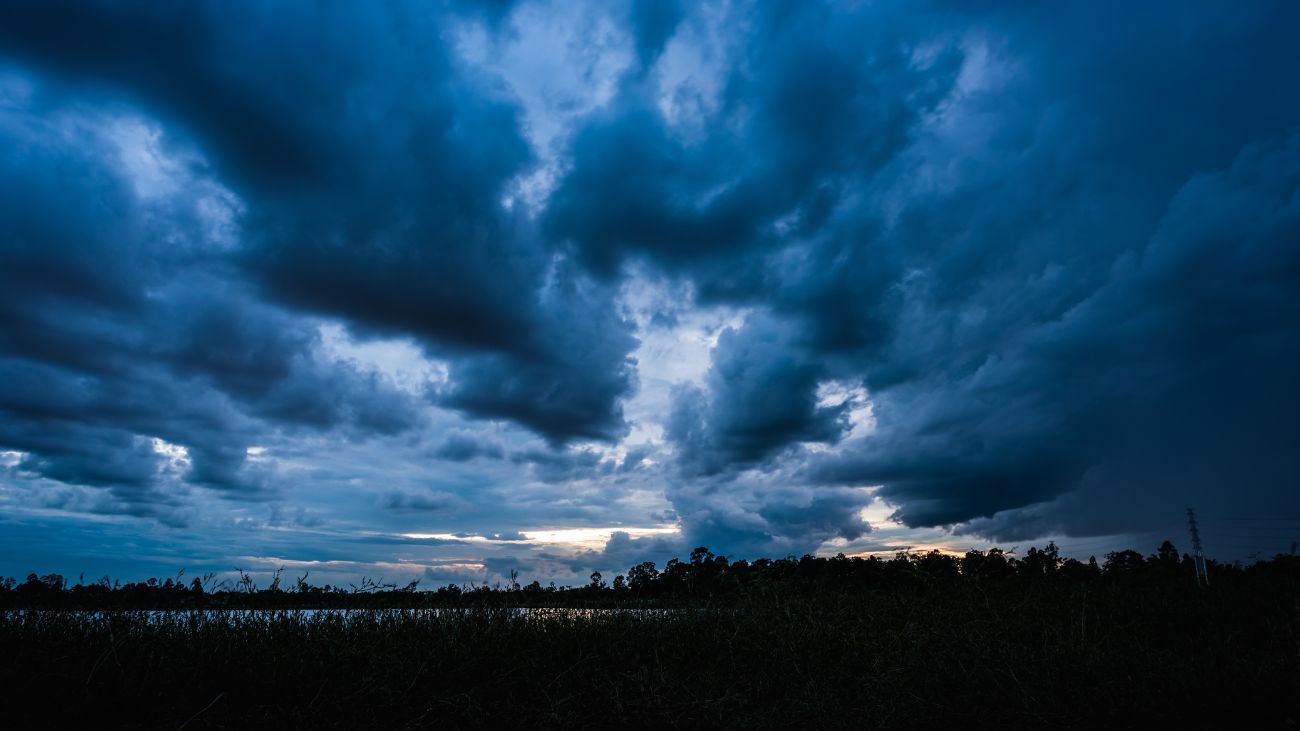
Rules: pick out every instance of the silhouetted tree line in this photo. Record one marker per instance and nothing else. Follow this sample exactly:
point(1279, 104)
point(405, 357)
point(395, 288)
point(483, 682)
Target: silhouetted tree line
point(704, 576)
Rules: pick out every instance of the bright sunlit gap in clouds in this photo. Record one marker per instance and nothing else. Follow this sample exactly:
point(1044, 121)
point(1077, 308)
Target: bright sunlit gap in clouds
point(588, 538)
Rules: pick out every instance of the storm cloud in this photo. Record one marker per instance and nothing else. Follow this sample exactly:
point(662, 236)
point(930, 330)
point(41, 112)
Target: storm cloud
point(769, 277)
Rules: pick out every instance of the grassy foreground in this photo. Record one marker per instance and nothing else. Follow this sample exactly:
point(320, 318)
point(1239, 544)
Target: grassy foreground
point(959, 656)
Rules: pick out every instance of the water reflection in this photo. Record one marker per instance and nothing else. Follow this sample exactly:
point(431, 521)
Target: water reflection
point(526, 614)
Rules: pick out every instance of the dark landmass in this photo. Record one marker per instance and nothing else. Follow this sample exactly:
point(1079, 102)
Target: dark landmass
point(924, 640)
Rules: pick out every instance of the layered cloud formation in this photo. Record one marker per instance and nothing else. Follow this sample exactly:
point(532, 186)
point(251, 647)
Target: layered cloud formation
point(462, 289)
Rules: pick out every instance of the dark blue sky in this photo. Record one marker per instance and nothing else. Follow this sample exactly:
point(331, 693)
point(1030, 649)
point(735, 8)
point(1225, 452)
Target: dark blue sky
point(447, 289)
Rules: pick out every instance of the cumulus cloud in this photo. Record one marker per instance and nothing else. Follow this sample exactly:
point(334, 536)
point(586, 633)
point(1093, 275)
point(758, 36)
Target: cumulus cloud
point(117, 333)
point(807, 106)
point(435, 502)
point(760, 397)
point(461, 447)
point(774, 514)
point(380, 203)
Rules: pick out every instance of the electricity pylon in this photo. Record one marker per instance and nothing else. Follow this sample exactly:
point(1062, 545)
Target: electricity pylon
point(1198, 555)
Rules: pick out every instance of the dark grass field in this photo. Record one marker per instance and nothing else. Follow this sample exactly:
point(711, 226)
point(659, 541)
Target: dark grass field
point(959, 656)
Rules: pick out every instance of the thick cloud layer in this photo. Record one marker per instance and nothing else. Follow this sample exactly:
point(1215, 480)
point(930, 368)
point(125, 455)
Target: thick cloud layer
point(1060, 270)
point(808, 103)
point(116, 332)
point(372, 170)
point(463, 277)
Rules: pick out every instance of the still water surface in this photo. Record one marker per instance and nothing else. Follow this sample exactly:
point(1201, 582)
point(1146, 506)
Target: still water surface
point(240, 615)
